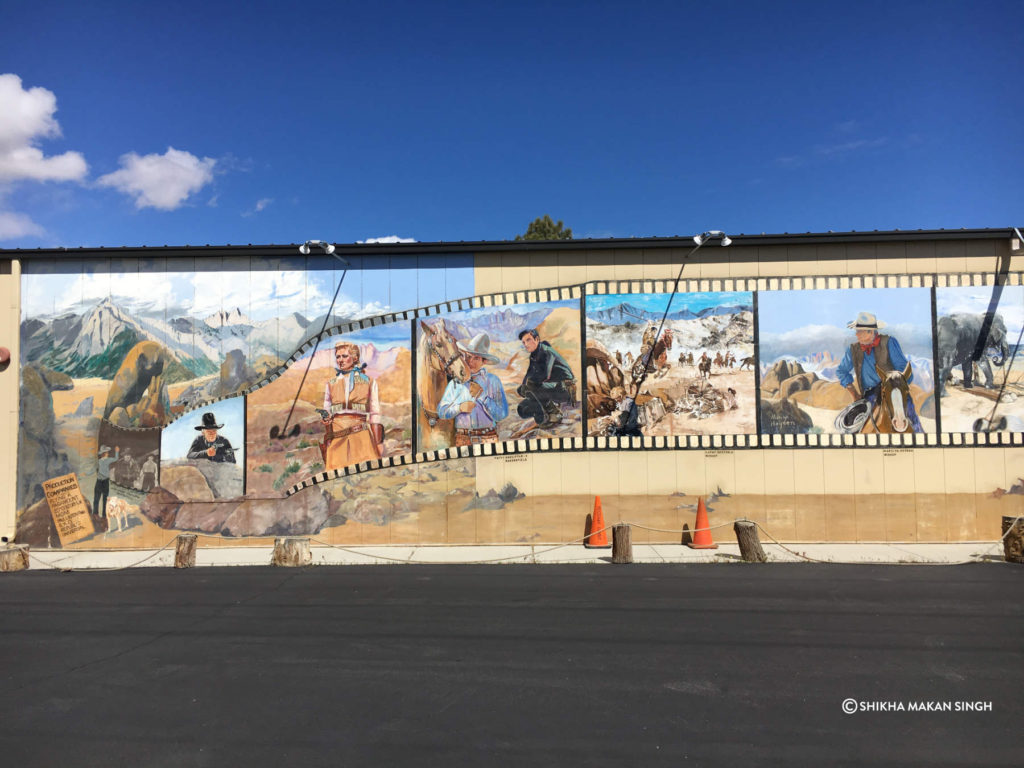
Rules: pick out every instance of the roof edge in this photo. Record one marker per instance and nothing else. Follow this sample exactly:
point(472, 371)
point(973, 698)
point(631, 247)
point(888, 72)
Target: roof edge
point(483, 246)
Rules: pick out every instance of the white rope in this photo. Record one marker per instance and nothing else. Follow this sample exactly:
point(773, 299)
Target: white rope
point(534, 552)
point(68, 569)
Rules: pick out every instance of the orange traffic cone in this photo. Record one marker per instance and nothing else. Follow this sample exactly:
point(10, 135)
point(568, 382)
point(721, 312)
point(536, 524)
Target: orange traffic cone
point(701, 535)
point(597, 537)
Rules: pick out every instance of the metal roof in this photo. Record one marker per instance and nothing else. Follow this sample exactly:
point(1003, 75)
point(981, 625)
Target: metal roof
point(482, 246)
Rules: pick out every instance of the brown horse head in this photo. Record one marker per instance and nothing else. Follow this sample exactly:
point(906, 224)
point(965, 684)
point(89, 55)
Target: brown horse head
point(893, 396)
point(442, 352)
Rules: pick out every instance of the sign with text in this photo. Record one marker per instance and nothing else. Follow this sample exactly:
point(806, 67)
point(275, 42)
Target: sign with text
point(67, 505)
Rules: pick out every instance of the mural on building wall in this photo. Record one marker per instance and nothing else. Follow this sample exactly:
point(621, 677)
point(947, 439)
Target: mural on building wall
point(846, 361)
point(697, 378)
point(498, 373)
point(354, 406)
point(164, 387)
point(972, 370)
point(135, 344)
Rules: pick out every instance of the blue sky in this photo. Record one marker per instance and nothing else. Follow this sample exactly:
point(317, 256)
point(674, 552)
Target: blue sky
point(129, 124)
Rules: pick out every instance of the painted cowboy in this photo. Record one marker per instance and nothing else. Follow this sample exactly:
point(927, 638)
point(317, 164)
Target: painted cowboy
point(209, 445)
point(479, 403)
point(548, 381)
point(102, 491)
point(870, 353)
point(353, 429)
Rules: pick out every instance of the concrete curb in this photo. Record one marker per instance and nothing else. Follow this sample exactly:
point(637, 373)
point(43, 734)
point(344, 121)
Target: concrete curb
point(880, 553)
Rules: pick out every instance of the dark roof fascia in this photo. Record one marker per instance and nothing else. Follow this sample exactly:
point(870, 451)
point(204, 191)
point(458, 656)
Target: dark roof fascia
point(484, 246)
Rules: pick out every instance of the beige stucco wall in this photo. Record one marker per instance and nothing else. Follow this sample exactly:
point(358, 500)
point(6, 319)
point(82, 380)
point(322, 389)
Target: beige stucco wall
point(10, 312)
point(524, 270)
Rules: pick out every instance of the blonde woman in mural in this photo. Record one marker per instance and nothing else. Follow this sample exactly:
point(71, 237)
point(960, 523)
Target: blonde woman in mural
point(479, 403)
point(354, 432)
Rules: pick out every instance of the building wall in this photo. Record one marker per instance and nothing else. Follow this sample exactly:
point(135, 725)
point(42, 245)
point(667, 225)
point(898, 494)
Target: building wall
point(236, 337)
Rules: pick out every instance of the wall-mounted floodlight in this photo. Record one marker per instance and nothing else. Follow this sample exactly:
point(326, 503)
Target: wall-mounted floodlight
point(705, 236)
point(327, 247)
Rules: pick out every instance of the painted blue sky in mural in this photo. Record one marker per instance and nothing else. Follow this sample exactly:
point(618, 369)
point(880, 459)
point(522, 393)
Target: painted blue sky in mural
point(256, 290)
point(657, 302)
point(124, 124)
point(176, 438)
point(806, 323)
point(976, 300)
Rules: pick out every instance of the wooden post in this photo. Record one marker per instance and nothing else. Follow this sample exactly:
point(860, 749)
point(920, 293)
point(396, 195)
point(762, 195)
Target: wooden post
point(750, 543)
point(13, 557)
point(291, 553)
point(185, 551)
point(622, 544)
point(1013, 542)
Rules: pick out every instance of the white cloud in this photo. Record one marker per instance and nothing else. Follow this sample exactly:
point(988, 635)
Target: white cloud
point(15, 225)
point(260, 205)
point(160, 181)
point(388, 239)
point(847, 147)
point(26, 117)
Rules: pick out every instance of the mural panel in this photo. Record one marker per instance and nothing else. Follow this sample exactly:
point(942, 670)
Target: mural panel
point(498, 373)
point(202, 454)
point(133, 344)
point(974, 369)
point(846, 361)
point(699, 376)
point(349, 402)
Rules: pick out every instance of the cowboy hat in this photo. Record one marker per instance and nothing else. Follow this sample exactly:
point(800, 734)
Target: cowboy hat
point(479, 345)
point(209, 422)
point(866, 321)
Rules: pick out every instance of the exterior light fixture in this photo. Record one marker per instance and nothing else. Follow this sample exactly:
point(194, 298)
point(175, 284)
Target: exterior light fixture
point(703, 237)
point(327, 247)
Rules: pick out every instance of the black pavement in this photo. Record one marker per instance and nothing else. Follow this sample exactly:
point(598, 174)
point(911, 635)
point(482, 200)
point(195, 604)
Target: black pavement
point(513, 665)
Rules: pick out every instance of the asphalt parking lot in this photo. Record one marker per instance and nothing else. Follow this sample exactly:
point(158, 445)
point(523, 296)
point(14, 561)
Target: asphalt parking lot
point(503, 665)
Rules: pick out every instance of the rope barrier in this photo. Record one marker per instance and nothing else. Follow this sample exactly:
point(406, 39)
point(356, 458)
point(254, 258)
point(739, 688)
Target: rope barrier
point(535, 552)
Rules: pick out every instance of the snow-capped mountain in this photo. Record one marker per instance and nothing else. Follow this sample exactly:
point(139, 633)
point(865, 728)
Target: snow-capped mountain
point(628, 313)
point(227, 317)
point(94, 342)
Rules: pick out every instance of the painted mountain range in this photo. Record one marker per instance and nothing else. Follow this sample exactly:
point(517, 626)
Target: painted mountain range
point(95, 342)
point(627, 313)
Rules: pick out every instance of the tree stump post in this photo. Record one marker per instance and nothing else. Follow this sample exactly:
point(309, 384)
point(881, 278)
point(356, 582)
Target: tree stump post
point(291, 553)
point(622, 544)
point(750, 543)
point(13, 557)
point(185, 551)
point(1013, 542)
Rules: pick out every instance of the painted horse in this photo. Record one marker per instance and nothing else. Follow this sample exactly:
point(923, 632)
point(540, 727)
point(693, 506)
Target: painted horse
point(892, 413)
point(653, 359)
point(440, 361)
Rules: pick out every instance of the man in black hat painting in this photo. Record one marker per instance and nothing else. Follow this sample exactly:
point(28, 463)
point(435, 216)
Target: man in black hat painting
point(210, 445)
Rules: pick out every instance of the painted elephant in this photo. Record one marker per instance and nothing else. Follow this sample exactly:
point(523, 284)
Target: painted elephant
point(960, 344)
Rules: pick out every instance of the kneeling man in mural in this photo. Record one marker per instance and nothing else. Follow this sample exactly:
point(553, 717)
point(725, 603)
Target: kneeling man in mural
point(548, 382)
point(351, 414)
point(479, 403)
point(873, 365)
point(210, 445)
